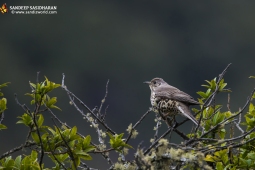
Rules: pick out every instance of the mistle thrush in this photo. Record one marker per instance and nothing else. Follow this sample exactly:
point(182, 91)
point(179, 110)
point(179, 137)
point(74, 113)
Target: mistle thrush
point(170, 101)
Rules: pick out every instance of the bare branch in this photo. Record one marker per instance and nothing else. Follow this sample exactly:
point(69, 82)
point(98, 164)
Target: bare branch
point(27, 144)
point(70, 94)
point(103, 116)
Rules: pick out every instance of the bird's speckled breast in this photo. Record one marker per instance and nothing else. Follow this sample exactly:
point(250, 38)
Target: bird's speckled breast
point(153, 100)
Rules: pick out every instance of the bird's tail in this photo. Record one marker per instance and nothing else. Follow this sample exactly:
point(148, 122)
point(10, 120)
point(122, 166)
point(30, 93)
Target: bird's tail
point(186, 112)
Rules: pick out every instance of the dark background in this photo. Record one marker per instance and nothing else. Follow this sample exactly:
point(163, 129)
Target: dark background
point(127, 42)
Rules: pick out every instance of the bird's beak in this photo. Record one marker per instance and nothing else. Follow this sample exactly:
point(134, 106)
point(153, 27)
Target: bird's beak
point(147, 82)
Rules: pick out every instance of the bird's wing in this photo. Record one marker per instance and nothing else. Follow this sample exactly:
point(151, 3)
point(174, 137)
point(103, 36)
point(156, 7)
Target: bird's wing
point(183, 97)
point(186, 112)
point(175, 94)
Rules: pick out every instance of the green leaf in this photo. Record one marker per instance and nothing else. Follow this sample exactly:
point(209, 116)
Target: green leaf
point(38, 97)
point(55, 107)
point(2, 127)
point(3, 103)
point(208, 93)
point(35, 137)
point(9, 164)
point(209, 158)
point(17, 161)
point(251, 155)
point(30, 94)
point(40, 120)
point(52, 131)
point(32, 102)
point(25, 119)
point(32, 84)
point(253, 96)
point(252, 77)
point(4, 85)
point(219, 166)
point(83, 155)
point(86, 140)
point(116, 141)
point(34, 155)
point(73, 131)
point(222, 133)
point(251, 107)
point(202, 94)
point(51, 101)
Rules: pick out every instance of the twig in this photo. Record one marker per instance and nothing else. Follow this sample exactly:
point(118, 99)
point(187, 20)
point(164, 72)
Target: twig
point(230, 146)
point(28, 144)
point(37, 108)
point(227, 140)
point(105, 111)
point(54, 154)
point(24, 107)
point(215, 111)
point(37, 77)
point(1, 117)
point(90, 111)
point(137, 123)
point(166, 133)
point(217, 86)
point(106, 92)
point(68, 147)
point(211, 97)
point(238, 127)
point(62, 123)
point(224, 121)
point(157, 127)
point(35, 123)
point(180, 134)
point(87, 167)
point(228, 104)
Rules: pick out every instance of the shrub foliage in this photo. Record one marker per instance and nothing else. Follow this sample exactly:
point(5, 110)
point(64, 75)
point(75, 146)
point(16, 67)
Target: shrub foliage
point(222, 140)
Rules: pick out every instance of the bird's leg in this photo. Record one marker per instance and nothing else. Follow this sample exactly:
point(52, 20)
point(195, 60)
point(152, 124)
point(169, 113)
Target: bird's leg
point(175, 122)
point(170, 120)
point(166, 114)
point(162, 115)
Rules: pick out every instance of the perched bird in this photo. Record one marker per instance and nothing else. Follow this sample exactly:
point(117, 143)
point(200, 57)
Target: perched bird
point(170, 101)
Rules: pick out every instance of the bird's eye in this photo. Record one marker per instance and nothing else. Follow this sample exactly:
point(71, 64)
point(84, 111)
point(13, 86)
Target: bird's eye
point(154, 82)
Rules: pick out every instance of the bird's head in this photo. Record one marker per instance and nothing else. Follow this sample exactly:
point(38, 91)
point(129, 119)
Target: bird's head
point(154, 83)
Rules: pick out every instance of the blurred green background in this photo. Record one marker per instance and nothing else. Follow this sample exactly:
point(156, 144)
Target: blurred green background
point(127, 42)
